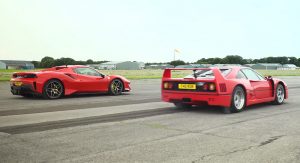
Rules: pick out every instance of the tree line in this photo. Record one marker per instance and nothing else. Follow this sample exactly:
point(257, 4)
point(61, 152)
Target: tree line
point(47, 62)
point(236, 59)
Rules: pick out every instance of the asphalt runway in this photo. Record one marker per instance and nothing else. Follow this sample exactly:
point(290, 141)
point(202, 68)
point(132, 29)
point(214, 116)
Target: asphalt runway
point(138, 127)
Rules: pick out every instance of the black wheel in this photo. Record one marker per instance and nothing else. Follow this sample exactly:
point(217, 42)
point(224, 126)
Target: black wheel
point(53, 89)
point(279, 95)
point(116, 87)
point(238, 101)
point(180, 105)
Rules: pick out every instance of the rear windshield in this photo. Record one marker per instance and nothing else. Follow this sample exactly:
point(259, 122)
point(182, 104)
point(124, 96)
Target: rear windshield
point(208, 73)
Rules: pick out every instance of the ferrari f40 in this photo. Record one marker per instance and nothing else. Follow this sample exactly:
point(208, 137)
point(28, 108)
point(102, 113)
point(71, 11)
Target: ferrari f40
point(233, 88)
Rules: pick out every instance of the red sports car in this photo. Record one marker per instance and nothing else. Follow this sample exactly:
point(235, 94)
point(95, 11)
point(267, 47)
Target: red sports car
point(233, 88)
point(55, 82)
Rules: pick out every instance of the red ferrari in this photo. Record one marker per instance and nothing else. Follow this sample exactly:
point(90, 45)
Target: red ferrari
point(233, 88)
point(55, 82)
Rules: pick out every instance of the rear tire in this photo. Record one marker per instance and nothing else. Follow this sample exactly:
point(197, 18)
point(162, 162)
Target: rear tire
point(180, 105)
point(53, 89)
point(238, 101)
point(279, 95)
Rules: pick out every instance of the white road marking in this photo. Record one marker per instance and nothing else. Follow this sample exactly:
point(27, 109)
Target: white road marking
point(24, 119)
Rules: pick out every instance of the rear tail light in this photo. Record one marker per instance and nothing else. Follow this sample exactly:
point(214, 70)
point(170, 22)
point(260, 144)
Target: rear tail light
point(223, 87)
point(205, 87)
point(209, 87)
point(212, 87)
point(168, 85)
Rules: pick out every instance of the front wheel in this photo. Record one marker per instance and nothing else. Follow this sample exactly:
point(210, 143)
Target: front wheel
point(279, 95)
point(53, 89)
point(116, 87)
point(238, 101)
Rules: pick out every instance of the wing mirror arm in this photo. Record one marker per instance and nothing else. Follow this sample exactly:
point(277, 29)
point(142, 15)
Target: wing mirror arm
point(268, 77)
point(194, 74)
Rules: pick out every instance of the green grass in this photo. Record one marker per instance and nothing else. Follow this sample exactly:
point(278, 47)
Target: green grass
point(5, 75)
point(143, 74)
point(156, 74)
point(280, 72)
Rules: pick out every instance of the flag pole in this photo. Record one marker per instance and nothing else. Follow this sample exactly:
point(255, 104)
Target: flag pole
point(174, 54)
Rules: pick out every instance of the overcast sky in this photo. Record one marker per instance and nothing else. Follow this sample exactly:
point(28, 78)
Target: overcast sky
point(148, 30)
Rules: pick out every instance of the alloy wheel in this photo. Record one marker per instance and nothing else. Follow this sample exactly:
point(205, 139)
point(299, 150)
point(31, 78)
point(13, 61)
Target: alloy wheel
point(54, 89)
point(239, 99)
point(116, 87)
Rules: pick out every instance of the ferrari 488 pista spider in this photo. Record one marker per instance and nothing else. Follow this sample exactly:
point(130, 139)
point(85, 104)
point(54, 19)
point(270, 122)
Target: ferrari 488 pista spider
point(55, 82)
point(233, 88)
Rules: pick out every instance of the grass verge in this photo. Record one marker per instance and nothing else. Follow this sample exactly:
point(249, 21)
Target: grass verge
point(157, 74)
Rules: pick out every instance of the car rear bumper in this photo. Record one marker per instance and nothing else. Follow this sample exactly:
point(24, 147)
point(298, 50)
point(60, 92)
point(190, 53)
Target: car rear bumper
point(21, 90)
point(26, 87)
point(197, 98)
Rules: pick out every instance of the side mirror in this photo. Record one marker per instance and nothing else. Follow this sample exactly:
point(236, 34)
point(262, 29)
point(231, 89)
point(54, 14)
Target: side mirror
point(268, 77)
point(102, 75)
point(194, 74)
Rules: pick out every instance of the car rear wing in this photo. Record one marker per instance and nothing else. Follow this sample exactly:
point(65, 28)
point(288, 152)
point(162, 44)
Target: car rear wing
point(217, 73)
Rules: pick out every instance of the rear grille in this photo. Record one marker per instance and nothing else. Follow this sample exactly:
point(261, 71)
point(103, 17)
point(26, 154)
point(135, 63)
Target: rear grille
point(24, 75)
point(222, 87)
point(34, 85)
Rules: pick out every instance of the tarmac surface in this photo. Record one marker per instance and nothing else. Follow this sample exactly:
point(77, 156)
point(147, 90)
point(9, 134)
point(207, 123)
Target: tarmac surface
point(138, 127)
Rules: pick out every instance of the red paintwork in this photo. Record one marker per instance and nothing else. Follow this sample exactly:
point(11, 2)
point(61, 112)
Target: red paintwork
point(256, 91)
point(73, 82)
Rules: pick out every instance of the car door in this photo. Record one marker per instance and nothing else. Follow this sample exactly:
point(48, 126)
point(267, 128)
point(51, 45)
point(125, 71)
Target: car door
point(262, 87)
point(90, 80)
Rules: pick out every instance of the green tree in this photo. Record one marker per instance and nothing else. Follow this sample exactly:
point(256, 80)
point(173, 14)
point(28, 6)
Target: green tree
point(64, 61)
point(80, 62)
point(216, 61)
point(177, 62)
point(293, 60)
point(36, 64)
point(233, 59)
point(202, 61)
point(89, 61)
point(47, 62)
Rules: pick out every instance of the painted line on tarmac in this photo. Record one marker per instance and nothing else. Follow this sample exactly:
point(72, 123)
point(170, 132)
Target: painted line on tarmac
point(75, 107)
point(13, 120)
point(29, 128)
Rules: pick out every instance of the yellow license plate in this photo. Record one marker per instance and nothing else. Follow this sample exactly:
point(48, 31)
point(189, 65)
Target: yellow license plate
point(186, 86)
point(18, 83)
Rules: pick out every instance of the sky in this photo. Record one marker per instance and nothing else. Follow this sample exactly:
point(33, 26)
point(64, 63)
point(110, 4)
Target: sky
point(148, 30)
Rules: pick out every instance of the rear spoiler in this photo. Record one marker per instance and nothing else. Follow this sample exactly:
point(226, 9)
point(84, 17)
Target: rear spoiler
point(217, 73)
